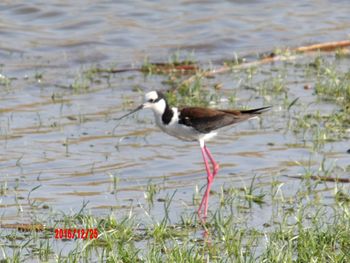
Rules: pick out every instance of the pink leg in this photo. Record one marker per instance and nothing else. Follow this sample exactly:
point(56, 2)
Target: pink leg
point(215, 171)
point(213, 163)
point(199, 212)
point(210, 178)
point(207, 193)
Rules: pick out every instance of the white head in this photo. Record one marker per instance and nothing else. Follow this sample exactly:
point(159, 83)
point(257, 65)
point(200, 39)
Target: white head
point(155, 100)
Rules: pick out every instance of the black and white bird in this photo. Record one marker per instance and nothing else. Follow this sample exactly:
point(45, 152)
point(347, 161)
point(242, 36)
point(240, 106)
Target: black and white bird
point(195, 124)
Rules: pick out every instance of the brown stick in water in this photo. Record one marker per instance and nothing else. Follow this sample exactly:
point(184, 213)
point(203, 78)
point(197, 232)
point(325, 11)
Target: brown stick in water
point(321, 178)
point(328, 46)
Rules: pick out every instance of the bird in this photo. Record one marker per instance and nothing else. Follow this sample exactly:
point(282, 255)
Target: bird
point(195, 124)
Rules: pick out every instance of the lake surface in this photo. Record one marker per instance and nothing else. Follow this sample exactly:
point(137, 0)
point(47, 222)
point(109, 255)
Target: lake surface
point(64, 143)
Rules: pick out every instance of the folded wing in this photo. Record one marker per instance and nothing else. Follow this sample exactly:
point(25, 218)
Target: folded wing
point(206, 120)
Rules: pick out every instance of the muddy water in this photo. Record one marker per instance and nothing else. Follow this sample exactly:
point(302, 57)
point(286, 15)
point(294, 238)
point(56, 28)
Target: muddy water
point(65, 141)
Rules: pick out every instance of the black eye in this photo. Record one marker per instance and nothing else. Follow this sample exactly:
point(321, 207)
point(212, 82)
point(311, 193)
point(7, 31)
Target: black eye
point(151, 100)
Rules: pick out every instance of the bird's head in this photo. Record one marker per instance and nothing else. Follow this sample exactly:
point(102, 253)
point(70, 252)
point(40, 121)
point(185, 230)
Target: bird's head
point(154, 100)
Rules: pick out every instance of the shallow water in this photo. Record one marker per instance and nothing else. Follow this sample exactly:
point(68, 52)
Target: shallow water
point(66, 141)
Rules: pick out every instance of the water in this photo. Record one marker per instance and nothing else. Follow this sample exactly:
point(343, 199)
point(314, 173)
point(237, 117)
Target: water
point(67, 142)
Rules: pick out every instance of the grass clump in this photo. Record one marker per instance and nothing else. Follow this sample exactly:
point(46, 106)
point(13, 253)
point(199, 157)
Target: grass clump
point(331, 86)
point(318, 242)
point(4, 81)
point(334, 85)
point(194, 93)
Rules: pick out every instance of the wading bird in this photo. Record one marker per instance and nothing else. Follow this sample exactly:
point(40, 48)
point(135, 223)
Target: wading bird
point(194, 124)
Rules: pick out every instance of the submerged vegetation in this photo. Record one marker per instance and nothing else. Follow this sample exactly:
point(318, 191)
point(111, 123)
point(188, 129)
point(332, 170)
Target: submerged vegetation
point(282, 215)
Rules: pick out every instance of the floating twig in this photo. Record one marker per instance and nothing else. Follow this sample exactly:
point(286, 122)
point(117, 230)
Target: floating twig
point(25, 227)
point(187, 67)
point(321, 178)
point(326, 47)
point(272, 57)
point(159, 68)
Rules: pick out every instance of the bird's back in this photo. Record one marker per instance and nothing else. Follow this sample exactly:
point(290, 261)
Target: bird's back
point(206, 120)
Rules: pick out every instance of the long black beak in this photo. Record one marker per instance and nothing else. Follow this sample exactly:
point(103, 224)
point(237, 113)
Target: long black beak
point(131, 112)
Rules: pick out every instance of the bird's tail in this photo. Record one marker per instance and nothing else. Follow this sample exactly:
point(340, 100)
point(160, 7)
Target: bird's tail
point(256, 111)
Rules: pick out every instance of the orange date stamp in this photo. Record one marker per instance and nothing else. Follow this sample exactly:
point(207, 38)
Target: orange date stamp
point(76, 233)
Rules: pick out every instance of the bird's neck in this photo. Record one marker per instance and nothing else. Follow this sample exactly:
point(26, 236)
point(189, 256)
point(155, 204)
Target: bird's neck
point(167, 114)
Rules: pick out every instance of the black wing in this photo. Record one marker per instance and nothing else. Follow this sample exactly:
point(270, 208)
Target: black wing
point(206, 120)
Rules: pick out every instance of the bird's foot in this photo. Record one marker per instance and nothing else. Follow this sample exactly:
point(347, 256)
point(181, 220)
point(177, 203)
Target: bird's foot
point(202, 218)
point(202, 214)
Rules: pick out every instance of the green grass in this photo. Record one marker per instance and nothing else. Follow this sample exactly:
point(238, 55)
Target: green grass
point(331, 85)
point(302, 229)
